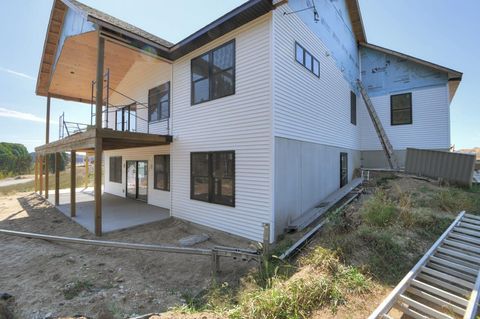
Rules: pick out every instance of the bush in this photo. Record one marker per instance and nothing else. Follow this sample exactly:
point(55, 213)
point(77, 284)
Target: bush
point(379, 210)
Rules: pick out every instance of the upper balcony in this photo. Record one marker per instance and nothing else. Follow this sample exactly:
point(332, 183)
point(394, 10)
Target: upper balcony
point(112, 67)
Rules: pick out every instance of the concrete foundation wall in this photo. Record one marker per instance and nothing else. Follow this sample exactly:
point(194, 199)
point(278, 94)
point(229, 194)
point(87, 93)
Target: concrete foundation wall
point(306, 173)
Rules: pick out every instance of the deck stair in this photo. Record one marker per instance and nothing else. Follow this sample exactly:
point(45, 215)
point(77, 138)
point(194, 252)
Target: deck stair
point(386, 145)
point(320, 209)
point(445, 282)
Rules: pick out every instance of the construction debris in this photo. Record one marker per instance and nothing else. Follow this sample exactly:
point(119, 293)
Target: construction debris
point(193, 240)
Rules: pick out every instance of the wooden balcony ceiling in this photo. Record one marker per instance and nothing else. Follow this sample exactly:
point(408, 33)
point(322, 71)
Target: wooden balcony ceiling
point(76, 66)
point(111, 140)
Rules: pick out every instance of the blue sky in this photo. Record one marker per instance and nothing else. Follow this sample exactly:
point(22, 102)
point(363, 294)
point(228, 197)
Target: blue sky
point(443, 32)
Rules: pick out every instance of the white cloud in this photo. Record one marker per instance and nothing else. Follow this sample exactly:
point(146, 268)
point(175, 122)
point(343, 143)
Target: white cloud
point(19, 74)
point(20, 115)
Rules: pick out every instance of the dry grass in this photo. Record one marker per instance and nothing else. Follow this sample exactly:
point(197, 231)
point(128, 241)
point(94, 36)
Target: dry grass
point(64, 182)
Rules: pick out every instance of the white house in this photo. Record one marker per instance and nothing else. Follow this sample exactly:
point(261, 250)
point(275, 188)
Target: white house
point(253, 119)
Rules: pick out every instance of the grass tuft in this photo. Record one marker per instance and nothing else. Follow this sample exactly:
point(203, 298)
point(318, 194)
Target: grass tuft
point(379, 210)
point(73, 289)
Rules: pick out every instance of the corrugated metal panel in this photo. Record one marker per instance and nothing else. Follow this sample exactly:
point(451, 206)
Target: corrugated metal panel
point(241, 122)
point(455, 168)
point(431, 121)
point(155, 197)
point(308, 108)
point(142, 76)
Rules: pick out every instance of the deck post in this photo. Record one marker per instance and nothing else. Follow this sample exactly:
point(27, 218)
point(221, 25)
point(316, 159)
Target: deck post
point(40, 163)
point(47, 121)
point(98, 140)
point(86, 170)
point(73, 180)
point(57, 179)
point(98, 186)
point(99, 83)
point(47, 186)
point(36, 173)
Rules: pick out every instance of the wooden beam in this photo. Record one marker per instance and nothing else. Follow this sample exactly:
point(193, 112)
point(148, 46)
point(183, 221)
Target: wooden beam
point(86, 170)
point(99, 82)
point(57, 179)
point(98, 186)
point(47, 121)
point(36, 173)
point(47, 188)
point(40, 162)
point(73, 181)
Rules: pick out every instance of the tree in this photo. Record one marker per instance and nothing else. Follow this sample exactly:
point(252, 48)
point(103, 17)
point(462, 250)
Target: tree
point(14, 159)
point(62, 163)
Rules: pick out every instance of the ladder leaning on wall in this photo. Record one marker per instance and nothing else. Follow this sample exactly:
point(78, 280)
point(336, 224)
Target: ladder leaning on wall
point(387, 147)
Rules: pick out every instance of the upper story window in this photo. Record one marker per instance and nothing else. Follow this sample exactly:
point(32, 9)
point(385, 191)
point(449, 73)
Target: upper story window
point(401, 109)
point(353, 108)
point(159, 102)
point(306, 59)
point(213, 74)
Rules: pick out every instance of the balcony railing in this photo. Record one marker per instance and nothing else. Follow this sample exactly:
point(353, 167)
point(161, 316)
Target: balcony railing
point(129, 120)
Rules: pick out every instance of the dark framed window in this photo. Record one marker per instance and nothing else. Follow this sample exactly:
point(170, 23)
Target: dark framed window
point(343, 169)
point(401, 109)
point(353, 108)
point(126, 118)
point(306, 59)
point(159, 102)
point(213, 74)
point(115, 169)
point(212, 177)
point(161, 172)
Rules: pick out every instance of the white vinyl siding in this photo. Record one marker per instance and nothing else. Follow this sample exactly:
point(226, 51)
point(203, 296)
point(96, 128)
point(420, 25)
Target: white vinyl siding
point(155, 197)
point(142, 77)
point(308, 108)
point(240, 122)
point(430, 128)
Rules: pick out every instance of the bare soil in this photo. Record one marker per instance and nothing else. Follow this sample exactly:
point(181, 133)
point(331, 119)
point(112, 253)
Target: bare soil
point(59, 280)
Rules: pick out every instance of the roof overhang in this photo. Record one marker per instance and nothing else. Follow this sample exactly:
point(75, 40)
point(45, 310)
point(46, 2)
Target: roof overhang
point(56, 59)
point(357, 21)
point(454, 77)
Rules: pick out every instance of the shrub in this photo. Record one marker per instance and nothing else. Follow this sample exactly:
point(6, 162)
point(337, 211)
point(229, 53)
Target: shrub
point(379, 210)
point(73, 289)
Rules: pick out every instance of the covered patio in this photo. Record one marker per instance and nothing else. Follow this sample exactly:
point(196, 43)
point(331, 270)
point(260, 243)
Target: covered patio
point(117, 212)
point(87, 55)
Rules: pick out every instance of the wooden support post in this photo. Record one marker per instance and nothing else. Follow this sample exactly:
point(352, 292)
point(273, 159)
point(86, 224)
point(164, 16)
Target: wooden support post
point(99, 83)
point(47, 186)
point(57, 179)
point(98, 140)
point(266, 240)
point(86, 170)
point(40, 163)
point(47, 121)
point(73, 182)
point(36, 173)
point(98, 186)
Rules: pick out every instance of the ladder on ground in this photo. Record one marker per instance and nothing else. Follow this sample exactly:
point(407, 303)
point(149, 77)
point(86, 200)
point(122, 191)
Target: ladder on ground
point(445, 282)
point(387, 147)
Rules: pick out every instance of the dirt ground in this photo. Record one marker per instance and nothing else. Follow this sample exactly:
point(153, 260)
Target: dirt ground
point(52, 280)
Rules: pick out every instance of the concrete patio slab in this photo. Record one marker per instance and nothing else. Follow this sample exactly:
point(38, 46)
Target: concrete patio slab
point(117, 212)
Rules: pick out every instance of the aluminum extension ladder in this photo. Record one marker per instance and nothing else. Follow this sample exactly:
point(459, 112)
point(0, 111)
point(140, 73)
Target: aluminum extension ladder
point(387, 146)
point(445, 282)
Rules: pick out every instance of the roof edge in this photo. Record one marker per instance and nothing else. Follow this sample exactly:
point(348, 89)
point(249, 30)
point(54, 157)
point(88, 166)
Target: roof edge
point(453, 75)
